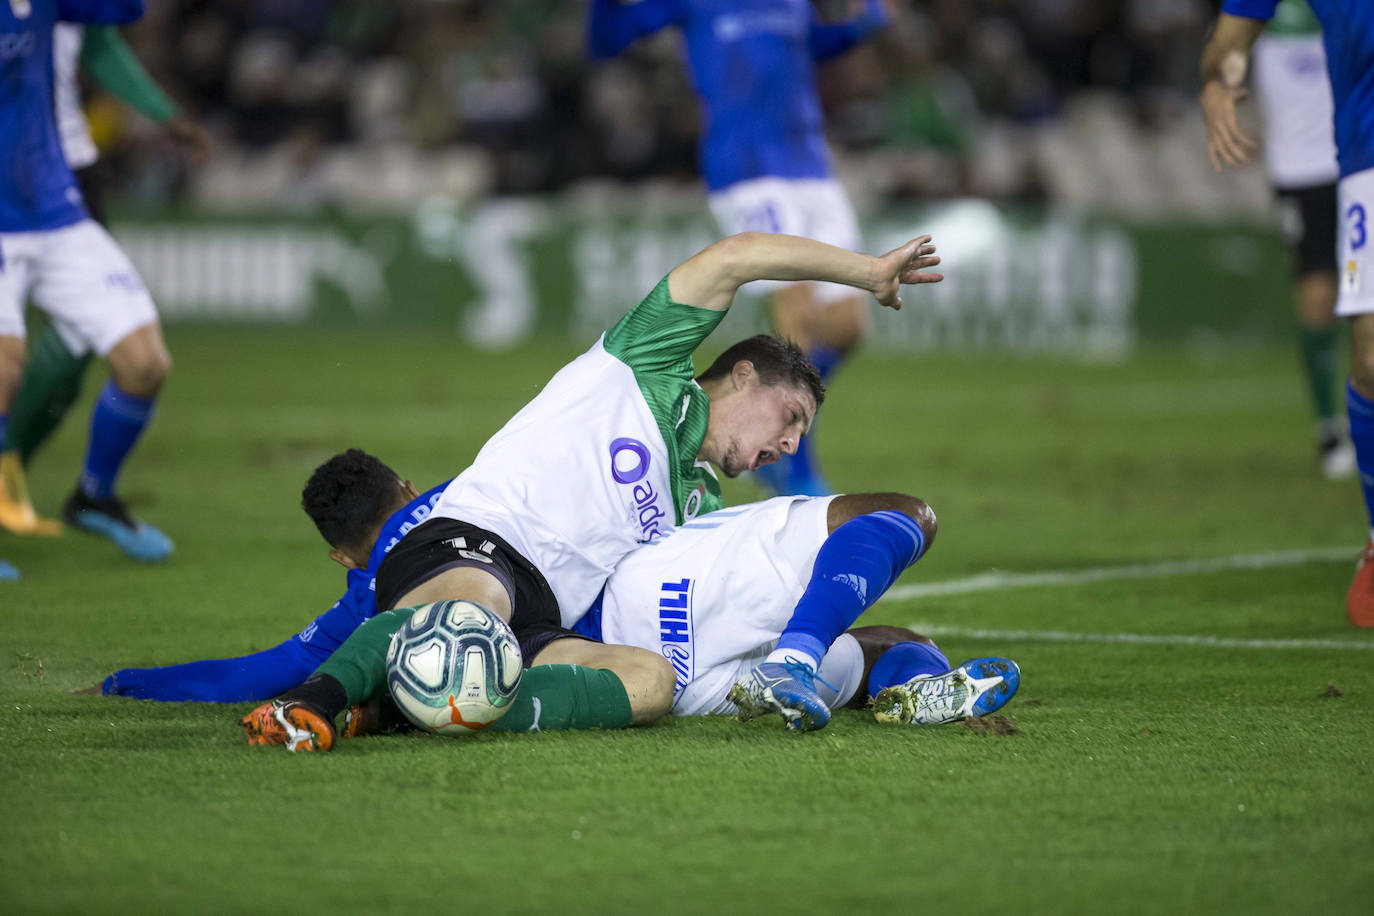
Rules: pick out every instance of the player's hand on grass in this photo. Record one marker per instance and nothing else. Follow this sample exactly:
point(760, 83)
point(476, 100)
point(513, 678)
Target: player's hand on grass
point(92, 691)
point(905, 265)
point(1226, 142)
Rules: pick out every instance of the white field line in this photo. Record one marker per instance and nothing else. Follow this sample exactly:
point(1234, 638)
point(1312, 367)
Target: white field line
point(999, 580)
point(993, 581)
point(1139, 639)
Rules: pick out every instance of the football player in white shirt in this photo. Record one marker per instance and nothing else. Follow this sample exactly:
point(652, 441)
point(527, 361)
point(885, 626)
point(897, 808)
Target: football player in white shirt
point(617, 450)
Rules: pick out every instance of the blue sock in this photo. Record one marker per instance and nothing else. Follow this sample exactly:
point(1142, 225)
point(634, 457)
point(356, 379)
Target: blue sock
point(825, 359)
point(904, 661)
point(116, 424)
point(856, 564)
point(1361, 412)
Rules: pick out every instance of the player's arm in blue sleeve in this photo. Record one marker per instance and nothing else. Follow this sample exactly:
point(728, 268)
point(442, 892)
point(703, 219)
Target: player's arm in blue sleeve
point(108, 12)
point(612, 25)
point(833, 39)
point(259, 676)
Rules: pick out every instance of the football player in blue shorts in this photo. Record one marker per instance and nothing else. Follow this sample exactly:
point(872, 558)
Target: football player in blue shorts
point(1348, 37)
point(53, 254)
point(738, 579)
point(763, 153)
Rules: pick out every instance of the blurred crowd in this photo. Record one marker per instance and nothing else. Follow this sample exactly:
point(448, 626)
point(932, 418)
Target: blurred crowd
point(312, 100)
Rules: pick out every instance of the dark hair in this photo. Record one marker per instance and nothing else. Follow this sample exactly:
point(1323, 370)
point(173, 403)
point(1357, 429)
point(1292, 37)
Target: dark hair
point(777, 361)
point(349, 496)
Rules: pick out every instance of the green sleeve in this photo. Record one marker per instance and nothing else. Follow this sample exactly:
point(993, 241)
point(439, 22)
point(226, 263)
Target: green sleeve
point(108, 59)
point(659, 335)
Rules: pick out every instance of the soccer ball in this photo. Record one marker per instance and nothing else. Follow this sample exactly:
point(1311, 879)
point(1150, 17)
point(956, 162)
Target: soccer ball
point(454, 667)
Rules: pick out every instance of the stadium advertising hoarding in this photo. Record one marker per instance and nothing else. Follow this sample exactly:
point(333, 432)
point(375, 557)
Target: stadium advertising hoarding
point(505, 271)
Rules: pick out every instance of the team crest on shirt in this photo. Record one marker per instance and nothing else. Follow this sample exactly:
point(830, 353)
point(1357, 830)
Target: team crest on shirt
point(1350, 277)
point(22, 9)
point(693, 504)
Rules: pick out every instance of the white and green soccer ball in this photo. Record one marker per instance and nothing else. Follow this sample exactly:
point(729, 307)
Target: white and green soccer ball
point(454, 667)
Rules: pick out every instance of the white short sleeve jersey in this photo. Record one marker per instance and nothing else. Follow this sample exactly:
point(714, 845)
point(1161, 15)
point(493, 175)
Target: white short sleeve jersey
point(604, 458)
point(72, 130)
point(1295, 98)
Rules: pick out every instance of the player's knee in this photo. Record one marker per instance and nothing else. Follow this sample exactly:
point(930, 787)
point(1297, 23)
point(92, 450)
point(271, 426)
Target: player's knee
point(1362, 371)
point(655, 683)
point(852, 505)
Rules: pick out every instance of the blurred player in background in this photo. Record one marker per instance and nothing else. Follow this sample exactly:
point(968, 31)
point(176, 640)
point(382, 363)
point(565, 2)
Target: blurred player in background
point(1300, 156)
point(52, 377)
point(1348, 30)
point(763, 153)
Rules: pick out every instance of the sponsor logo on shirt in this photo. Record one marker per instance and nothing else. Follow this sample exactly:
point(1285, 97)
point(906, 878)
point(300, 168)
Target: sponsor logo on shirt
point(630, 467)
point(675, 628)
point(14, 46)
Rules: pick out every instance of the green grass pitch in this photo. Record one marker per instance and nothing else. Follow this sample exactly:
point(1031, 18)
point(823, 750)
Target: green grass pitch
point(1156, 777)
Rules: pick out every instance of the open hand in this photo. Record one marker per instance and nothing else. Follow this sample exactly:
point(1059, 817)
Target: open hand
point(904, 265)
point(1226, 142)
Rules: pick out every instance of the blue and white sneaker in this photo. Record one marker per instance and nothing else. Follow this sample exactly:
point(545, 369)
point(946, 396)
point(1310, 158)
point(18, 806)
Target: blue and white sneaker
point(975, 688)
point(111, 518)
point(8, 572)
point(787, 688)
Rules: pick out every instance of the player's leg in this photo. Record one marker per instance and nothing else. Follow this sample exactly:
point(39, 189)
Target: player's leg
point(826, 330)
point(644, 678)
point(1359, 600)
point(1356, 302)
point(872, 539)
point(50, 384)
point(910, 681)
point(15, 256)
point(828, 321)
point(94, 297)
point(1310, 229)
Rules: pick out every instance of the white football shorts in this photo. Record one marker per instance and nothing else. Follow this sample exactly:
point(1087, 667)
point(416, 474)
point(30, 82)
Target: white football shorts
point(814, 208)
point(714, 596)
point(1355, 244)
point(80, 278)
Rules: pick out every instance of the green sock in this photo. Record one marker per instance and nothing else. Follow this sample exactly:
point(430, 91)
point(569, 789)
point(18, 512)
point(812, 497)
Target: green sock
point(360, 663)
point(52, 380)
point(1319, 359)
point(551, 697)
point(557, 697)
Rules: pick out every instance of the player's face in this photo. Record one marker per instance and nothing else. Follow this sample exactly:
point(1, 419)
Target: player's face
point(758, 424)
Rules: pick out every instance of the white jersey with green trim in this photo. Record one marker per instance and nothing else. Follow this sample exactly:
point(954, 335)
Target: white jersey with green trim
point(604, 458)
point(1295, 97)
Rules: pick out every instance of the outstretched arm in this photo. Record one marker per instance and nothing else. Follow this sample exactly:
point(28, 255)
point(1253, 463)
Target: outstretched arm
point(711, 278)
point(612, 25)
point(258, 676)
point(831, 39)
point(115, 68)
point(1224, 63)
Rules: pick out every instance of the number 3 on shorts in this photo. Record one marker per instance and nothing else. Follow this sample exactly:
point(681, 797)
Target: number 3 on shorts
point(1358, 234)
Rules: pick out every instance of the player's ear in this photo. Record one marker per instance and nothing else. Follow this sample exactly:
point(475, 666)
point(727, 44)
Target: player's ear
point(741, 373)
point(409, 490)
point(343, 559)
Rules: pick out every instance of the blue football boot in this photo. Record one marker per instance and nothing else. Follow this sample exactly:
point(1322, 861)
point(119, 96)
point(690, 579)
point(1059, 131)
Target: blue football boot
point(977, 687)
point(111, 518)
point(787, 688)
